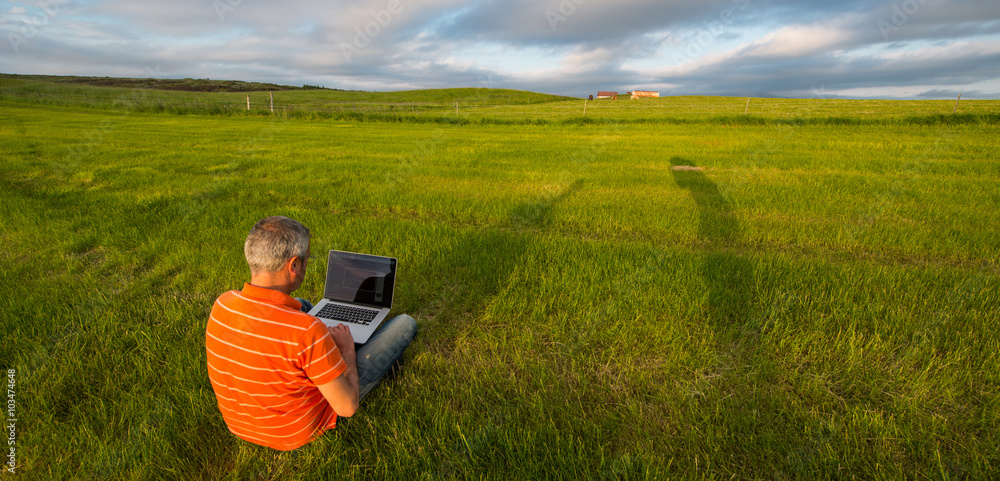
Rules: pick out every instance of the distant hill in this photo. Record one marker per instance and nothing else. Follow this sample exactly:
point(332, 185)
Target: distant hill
point(448, 95)
point(97, 87)
point(184, 85)
point(205, 96)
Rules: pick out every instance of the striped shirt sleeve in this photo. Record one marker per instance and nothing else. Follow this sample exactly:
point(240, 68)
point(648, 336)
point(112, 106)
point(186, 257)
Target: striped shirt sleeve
point(320, 358)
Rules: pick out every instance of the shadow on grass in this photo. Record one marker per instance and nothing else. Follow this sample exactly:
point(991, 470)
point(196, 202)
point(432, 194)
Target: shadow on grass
point(728, 275)
point(479, 265)
point(780, 433)
point(539, 214)
point(483, 260)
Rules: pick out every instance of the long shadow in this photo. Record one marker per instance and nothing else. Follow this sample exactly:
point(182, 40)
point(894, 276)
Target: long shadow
point(728, 274)
point(740, 312)
point(475, 269)
point(539, 214)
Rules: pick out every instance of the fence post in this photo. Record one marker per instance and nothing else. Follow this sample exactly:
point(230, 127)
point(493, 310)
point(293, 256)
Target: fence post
point(272, 101)
point(585, 107)
point(248, 102)
point(747, 109)
point(956, 104)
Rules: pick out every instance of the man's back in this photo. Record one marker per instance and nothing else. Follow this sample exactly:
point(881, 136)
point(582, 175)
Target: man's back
point(265, 360)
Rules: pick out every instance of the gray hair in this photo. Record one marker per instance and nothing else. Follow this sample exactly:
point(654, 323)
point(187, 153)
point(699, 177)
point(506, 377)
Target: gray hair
point(273, 241)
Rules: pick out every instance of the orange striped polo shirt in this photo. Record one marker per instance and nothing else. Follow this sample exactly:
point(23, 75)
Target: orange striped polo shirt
point(265, 360)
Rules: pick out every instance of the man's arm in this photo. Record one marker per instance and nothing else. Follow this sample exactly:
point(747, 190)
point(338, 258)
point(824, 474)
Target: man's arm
point(342, 392)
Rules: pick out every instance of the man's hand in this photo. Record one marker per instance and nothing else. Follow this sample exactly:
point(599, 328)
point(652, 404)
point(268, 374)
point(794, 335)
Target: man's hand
point(345, 342)
point(342, 393)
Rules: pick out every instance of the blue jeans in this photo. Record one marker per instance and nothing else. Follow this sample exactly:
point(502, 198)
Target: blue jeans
point(377, 356)
point(382, 350)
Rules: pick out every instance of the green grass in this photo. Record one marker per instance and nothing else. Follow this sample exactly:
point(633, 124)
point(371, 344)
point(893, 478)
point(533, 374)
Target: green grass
point(479, 105)
point(142, 97)
point(818, 301)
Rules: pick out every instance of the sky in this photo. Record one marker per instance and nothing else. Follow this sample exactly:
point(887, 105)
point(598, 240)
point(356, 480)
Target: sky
point(762, 48)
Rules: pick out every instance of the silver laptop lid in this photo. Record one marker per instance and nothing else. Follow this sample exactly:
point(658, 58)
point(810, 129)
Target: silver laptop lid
point(363, 279)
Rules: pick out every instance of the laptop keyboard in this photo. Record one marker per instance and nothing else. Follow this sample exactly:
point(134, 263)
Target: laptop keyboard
point(355, 315)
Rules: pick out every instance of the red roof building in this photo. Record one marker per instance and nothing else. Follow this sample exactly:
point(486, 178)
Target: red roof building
point(645, 93)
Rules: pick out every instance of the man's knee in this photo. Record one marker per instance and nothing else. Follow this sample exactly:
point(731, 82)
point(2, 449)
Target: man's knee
point(407, 326)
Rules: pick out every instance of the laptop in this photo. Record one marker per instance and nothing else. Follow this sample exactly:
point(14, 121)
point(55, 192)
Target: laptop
point(358, 292)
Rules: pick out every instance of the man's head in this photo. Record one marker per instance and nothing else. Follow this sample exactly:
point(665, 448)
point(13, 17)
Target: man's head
point(274, 243)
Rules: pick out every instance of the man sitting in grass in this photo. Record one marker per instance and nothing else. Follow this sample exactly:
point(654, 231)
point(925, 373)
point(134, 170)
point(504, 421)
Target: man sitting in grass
point(281, 376)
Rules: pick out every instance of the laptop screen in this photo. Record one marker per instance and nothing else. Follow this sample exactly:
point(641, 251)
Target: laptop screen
point(360, 278)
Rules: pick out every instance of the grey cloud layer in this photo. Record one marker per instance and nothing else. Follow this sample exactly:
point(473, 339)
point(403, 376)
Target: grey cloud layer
point(764, 47)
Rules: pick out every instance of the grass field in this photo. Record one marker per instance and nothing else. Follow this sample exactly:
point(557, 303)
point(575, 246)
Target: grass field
point(676, 292)
point(480, 105)
point(318, 103)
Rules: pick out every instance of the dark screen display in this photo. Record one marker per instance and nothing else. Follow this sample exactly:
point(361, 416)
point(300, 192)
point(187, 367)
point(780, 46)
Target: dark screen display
point(360, 278)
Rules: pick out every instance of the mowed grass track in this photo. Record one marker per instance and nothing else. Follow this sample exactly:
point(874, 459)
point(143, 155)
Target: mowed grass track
point(817, 301)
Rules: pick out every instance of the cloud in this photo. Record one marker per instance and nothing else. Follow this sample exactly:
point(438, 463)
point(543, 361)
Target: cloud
point(948, 94)
point(735, 47)
point(796, 41)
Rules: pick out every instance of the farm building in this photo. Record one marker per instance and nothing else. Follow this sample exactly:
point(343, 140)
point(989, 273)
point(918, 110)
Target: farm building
point(607, 95)
point(644, 93)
